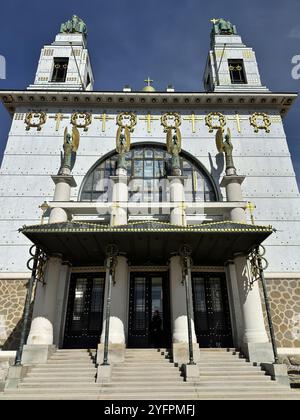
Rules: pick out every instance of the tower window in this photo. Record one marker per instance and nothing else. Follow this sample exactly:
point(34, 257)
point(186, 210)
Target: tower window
point(237, 71)
point(60, 69)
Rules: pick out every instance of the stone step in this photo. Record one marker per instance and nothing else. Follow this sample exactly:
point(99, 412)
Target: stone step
point(142, 365)
point(223, 365)
point(59, 378)
point(142, 379)
point(65, 371)
point(226, 373)
point(66, 389)
point(69, 362)
point(146, 372)
point(67, 396)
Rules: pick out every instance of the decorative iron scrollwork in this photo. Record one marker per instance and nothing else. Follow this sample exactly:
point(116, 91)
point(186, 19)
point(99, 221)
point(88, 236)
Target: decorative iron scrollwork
point(258, 262)
point(41, 264)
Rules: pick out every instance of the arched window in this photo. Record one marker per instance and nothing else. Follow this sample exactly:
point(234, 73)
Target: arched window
point(148, 168)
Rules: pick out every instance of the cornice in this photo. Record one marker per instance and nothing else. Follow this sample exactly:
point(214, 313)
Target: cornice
point(79, 99)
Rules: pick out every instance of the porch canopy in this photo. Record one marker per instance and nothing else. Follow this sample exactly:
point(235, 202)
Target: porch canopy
point(146, 242)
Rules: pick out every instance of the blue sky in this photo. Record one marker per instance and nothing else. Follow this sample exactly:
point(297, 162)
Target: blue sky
point(166, 39)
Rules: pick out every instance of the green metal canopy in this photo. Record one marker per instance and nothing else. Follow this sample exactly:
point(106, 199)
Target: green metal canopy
point(146, 242)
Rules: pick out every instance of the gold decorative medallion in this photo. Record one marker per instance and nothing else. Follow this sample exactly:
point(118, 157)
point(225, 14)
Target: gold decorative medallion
point(215, 120)
point(35, 120)
point(81, 120)
point(170, 120)
point(260, 121)
point(127, 119)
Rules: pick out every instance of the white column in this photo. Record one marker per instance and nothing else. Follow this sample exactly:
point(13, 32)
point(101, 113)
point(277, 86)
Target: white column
point(255, 341)
point(63, 185)
point(119, 197)
point(118, 313)
point(235, 305)
point(254, 326)
point(179, 315)
point(61, 303)
point(177, 196)
point(40, 344)
point(233, 183)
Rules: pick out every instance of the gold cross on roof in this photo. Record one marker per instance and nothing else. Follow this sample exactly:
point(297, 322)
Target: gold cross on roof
point(148, 81)
point(214, 21)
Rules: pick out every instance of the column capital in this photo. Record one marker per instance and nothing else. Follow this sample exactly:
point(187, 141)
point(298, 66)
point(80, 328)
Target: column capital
point(119, 178)
point(68, 179)
point(229, 179)
point(175, 177)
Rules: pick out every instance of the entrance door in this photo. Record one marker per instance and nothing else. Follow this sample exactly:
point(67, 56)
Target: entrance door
point(85, 311)
point(149, 293)
point(211, 310)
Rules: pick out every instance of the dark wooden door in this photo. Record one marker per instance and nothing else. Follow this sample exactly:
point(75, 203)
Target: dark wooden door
point(211, 310)
point(85, 311)
point(149, 292)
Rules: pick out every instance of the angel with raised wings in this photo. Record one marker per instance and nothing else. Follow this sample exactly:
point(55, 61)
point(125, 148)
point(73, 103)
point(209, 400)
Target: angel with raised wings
point(225, 146)
point(68, 156)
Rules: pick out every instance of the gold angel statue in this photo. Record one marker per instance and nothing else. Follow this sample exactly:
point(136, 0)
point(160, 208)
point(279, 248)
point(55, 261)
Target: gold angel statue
point(171, 122)
point(225, 146)
point(126, 122)
point(68, 156)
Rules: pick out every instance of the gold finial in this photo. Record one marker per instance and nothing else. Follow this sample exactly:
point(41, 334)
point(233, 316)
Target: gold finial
point(148, 87)
point(214, 21)
point(251, 207)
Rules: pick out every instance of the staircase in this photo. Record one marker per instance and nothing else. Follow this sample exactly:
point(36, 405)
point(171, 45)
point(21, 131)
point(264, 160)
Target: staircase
point(148, 374)
point(68, 375)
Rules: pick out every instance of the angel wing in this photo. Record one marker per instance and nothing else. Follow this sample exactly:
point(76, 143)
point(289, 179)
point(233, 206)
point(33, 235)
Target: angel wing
point(65, 135)
point(118, 139)
point(127, 138)
point(229, 134)
point(219, 140)
point(178, 134)
point(169, 140)
point(75, 139)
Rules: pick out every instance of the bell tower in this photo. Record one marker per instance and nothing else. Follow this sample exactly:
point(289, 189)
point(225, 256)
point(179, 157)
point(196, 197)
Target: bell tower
point(65, 64)
point(231, 65)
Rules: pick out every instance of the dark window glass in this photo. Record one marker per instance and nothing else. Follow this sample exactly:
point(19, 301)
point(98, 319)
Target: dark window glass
point(237, 71)
point(147, 169)
point(60, 69)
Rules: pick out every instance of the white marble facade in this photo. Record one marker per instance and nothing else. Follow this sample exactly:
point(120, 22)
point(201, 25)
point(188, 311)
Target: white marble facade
point(32, 156)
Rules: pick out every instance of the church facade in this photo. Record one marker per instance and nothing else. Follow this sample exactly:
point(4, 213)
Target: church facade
point(141, 201)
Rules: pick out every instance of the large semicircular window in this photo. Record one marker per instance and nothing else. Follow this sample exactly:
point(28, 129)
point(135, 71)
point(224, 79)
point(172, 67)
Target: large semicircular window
point(148, 169)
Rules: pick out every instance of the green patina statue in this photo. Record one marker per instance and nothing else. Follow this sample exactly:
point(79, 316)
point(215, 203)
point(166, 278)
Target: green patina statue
point(74, 25)
point(68, 157)
point(223, 27)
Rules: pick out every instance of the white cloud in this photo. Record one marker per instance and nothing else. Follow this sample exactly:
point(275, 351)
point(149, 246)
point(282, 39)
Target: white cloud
point(294, 32)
